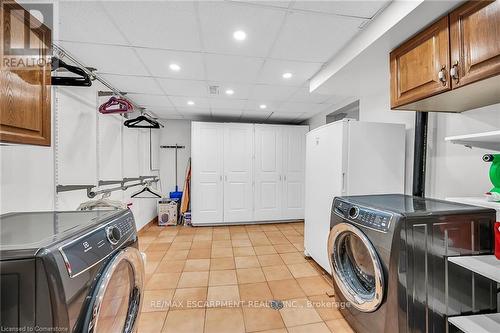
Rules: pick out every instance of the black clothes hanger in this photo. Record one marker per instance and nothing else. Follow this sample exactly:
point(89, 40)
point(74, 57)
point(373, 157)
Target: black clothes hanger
point(136, 122)
point(146, 189)
point(82, 81)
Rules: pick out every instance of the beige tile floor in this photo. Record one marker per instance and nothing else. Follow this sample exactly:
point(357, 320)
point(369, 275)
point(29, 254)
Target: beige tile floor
point(221, 279)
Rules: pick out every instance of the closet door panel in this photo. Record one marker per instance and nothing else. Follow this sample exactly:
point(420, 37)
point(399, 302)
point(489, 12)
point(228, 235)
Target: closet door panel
point(238, 172)
point(207, 169)
point(268, 177)
point(294, 142)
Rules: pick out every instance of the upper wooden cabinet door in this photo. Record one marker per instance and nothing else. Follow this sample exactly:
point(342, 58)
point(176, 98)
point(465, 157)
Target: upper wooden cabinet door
point(475, 41)
point(25, 113)
point(416, 65)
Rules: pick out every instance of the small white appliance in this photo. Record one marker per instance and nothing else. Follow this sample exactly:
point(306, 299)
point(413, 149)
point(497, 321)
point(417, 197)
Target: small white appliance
point(344, 158)
point(167, 212)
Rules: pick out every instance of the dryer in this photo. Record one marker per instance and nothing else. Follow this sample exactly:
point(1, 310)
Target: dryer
point(388, 255)
point(70, 271)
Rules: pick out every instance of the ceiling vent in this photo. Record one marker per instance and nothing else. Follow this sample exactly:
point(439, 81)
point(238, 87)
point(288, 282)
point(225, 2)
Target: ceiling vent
point(213, 90)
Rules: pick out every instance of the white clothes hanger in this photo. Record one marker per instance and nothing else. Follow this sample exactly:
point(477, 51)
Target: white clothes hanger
point(101, 203)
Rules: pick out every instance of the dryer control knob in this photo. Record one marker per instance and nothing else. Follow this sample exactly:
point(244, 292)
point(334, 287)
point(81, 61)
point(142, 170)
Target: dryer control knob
point(354, 212)
point(114, 234)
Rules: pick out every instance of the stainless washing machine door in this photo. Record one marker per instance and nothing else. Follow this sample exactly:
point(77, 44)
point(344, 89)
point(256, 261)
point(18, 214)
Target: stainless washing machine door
point(116, 301)
point(356, 267)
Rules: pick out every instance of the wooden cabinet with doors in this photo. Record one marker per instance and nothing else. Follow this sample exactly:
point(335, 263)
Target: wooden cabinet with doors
point(475, 42)
point(419, 66)
point(435, 69)
point(25, 111)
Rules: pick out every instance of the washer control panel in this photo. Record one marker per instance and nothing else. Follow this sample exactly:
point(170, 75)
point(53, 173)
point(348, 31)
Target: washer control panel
point(368, 217)
point(84, 252)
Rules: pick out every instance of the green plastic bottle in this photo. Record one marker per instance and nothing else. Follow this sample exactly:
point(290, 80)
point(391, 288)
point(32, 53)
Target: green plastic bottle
point(494, 171)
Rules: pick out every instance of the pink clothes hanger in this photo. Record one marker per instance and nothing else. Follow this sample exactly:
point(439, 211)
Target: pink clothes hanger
point(116, 105)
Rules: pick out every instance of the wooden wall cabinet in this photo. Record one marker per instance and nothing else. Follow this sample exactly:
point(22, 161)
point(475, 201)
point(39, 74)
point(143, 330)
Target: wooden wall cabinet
point(475, 41)
point(25, 107)
point(419, 66)
point(435, 69)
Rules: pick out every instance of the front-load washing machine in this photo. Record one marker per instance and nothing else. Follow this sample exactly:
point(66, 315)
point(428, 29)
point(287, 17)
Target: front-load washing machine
point(70, 272)
point(388, 255)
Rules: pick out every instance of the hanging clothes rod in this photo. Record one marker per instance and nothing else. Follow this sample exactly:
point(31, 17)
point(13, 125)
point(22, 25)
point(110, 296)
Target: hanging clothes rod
point(63, 53)
point(91, 193)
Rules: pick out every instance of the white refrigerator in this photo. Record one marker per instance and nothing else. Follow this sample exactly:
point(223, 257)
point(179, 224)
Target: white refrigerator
point(348, 158)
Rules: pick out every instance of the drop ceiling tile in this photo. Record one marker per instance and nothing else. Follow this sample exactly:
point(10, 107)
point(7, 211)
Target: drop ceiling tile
point(241, 91)
point(151, 100)
point(158, 62)
point(254, 106)
point(272, 72)
point(181, 102)
point(169, 115)
point(190, 88)
point(268, 93)
point(84, 21)
point(108, 59)
point(164, 112)
point(303, 95)
point(226, 113)
point(133, 84)
point(232, 68)
point(290, 107)
point(277, 4)
point(227, 103)
point(197, 113)
point(197, 110)
point(283, 116)
point(357, 8)
point(220, 19)
point(158, 24)
point(314, 38)
point(255, 116)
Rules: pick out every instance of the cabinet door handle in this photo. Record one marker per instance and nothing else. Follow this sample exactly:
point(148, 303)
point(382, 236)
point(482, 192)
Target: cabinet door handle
point(220, 177)
point(454, 71)
point(280, 177)
point(442, 75)
point(284, 177)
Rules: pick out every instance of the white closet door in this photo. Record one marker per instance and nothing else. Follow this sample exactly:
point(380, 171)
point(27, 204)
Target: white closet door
point(294, 158)
point(238, 172)
point(268, 172)
point(207, 168)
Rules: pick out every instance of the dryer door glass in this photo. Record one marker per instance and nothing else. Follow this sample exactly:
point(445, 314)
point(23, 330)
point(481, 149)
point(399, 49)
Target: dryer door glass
point(117, 297)
point(356, 267)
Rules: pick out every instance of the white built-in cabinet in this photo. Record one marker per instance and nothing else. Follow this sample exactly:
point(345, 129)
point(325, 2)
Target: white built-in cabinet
point(247, 172)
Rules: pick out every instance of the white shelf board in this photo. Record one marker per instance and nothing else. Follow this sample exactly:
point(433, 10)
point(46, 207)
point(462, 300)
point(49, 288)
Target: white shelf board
point(487, 323)
point(485, 140)
point(487, 265)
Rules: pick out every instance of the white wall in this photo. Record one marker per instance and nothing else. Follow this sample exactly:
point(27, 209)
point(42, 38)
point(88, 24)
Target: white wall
point(174, 132)
point(455, 170)
point(86, 147)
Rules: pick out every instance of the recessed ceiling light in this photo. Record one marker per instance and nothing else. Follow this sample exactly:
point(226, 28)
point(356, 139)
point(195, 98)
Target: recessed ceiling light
point(287, 75)
point(240, 35)
point(190, 103)
point(175, 67)
point(229, 91)
point(263, 106)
